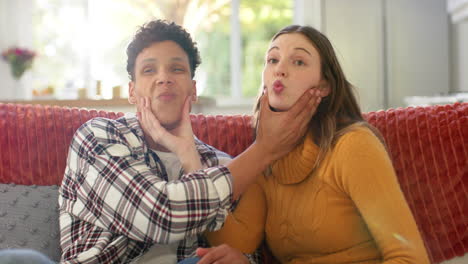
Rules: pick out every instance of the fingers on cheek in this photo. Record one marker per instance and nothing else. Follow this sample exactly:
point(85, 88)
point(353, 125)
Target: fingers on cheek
point(214, 256)
point(206, 259)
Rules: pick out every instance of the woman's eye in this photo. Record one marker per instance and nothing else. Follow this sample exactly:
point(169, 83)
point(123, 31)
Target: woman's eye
point(272, 61)
point(299, 62)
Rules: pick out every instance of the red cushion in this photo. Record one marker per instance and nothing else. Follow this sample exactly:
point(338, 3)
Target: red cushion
point(429, 149)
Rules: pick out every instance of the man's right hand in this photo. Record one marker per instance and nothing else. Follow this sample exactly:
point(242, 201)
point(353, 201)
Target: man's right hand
point(221, 254)
point(279, 132)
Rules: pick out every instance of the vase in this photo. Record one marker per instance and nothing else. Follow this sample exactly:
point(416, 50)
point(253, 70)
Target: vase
point(17, 72)
point(21, 88)
point(18, 68)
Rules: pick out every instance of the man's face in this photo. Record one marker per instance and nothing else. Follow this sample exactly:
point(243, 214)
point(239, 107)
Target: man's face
point(162, 73)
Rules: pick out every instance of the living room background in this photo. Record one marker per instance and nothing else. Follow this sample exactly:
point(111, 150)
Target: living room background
point(390, 50)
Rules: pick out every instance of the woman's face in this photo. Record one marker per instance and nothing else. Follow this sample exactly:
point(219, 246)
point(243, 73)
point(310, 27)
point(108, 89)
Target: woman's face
point(292, 66)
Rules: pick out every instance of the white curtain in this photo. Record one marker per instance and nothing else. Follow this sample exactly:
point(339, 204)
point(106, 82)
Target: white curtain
point(16, 29)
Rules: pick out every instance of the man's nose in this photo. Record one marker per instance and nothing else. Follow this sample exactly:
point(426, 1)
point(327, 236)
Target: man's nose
point(163, 78)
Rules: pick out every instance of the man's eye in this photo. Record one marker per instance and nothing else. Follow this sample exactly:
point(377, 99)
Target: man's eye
point(179, 69)
point(148, 70)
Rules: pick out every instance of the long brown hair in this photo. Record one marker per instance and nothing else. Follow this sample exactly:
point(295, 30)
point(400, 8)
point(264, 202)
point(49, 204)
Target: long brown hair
point(337, 111)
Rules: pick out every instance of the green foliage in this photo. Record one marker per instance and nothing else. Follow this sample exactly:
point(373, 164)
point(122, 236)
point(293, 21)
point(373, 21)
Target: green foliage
point(214, 50)
point(260, 20)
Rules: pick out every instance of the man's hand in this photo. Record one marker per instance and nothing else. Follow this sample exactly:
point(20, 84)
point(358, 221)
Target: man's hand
point(179, 141)
point(221, 254)
point(279, 132)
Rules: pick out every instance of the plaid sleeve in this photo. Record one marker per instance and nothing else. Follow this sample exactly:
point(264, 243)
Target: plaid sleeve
point(116, 190)
point(255, 258)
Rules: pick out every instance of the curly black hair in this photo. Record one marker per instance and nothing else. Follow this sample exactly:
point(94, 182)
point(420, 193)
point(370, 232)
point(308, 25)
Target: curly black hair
point(157, 31)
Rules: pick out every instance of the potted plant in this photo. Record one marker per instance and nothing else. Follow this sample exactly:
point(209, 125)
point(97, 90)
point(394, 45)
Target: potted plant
point(19, 59)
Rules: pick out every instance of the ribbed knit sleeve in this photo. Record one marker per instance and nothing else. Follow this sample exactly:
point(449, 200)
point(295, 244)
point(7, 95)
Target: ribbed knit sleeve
point(244, 228)
point(364, 171)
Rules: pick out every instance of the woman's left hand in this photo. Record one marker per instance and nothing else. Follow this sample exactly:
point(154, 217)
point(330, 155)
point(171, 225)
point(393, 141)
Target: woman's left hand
point(221, 254)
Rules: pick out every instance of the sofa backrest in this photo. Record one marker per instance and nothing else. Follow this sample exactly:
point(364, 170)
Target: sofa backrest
point(428, 146)
point(34, 139)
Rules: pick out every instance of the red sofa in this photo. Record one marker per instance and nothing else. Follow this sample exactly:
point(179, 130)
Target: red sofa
point(428, 145)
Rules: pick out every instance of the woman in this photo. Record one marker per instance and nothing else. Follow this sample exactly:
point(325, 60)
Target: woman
point(335, 198)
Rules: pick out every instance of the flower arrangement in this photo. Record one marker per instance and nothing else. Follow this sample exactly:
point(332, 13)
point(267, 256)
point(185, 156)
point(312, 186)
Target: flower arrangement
point(20, 60)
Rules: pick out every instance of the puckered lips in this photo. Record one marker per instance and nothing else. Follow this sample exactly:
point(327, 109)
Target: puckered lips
point(166, 96)
point(278, 87)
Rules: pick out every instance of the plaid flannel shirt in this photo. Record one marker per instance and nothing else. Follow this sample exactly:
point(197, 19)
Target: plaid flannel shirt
point(115, 201)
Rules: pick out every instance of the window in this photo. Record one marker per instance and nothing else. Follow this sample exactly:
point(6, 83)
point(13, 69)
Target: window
point(259, 21)
point(80, 42)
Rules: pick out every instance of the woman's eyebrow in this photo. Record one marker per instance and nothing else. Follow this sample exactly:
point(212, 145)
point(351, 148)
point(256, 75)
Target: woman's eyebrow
point(298, 48)
point(274, 47)
point(303, 50)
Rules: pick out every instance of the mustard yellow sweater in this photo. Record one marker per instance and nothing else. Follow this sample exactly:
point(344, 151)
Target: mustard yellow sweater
point(351, 210)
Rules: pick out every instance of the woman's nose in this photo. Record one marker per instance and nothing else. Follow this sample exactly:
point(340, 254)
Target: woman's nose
point(281, 70)
point(281, 73)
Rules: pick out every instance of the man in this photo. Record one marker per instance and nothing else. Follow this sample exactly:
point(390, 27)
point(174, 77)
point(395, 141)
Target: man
point(142, 188)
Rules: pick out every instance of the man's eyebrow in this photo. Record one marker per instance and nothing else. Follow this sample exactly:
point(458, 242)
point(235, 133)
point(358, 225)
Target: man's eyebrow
point(177, 59)
point(149, 60)
point(155, 60)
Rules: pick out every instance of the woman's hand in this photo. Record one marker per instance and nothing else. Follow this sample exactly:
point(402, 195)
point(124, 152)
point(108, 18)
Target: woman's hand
point(179, 141)
point(279, 132)
point(221, 254)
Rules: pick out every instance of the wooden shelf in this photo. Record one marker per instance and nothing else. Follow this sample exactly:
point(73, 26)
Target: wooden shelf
point(91, 103)
point(88, 103)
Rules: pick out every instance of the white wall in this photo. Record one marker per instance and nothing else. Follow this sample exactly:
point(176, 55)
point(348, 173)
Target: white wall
point(308, 12)
point(390, 49)
point(20, 34)
point(355, 30)
point(418, 44)
point(460, 56)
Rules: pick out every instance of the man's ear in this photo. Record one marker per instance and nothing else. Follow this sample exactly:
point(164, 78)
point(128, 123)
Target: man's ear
point(131, 93)
point(194, 91)
point(324, 88)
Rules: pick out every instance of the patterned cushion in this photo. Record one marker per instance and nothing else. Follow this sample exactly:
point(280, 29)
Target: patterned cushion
point(29, 218)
